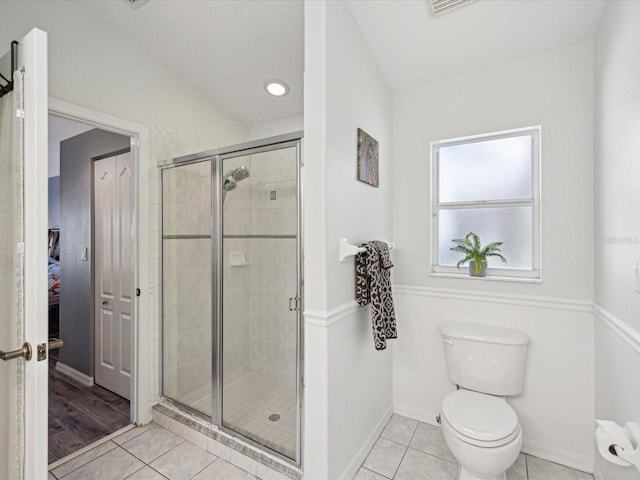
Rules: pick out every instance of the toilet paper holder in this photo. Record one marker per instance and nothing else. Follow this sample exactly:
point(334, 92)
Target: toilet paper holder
point(619, 445)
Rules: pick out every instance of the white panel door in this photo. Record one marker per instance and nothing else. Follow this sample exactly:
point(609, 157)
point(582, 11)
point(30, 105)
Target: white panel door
point(114, 237)
point(23, 265)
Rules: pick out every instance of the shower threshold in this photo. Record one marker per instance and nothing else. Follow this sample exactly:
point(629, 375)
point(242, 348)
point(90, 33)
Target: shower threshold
point(223, 445)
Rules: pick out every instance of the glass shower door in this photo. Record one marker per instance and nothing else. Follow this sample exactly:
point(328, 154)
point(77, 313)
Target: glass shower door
point(259, 297)
point(186, 286)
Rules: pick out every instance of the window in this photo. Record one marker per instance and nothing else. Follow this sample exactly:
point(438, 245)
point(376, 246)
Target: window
point(489, 185)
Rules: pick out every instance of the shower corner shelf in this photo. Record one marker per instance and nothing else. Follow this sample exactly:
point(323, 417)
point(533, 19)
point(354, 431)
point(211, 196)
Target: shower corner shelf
point(347, 249)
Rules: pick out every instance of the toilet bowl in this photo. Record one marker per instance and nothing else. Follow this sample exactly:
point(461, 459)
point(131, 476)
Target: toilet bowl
point(483, 434)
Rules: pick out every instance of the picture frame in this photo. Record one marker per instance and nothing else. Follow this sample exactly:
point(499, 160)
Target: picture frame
point(368, 159)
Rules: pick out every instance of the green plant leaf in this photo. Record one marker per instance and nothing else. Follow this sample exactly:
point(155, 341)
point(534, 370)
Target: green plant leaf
point(472, 249)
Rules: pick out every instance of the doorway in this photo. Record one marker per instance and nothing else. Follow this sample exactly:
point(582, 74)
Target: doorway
point(86, 404)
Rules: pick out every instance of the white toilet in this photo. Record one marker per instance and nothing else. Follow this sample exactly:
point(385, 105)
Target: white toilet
point(479, 426)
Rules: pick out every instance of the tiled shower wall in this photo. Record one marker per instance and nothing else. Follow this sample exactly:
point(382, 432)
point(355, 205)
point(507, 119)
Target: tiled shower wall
point(273, 271)
point(187, 285)
point(166, 143)
point(260, 332)
point(236, 264)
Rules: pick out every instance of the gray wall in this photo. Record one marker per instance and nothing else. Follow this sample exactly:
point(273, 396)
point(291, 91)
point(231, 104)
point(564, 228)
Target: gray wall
point(54, 202)
point(76, 208)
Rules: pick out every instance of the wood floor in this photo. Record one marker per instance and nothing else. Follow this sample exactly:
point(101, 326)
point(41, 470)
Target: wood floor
point(80, 415)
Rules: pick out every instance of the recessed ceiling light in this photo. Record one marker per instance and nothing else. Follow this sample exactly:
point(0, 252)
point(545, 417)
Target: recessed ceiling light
point(277, 88)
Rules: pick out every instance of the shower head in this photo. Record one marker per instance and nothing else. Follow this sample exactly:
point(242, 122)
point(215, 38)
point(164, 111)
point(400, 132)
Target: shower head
point(229, 184)
point(231, 179)
point(238, 174)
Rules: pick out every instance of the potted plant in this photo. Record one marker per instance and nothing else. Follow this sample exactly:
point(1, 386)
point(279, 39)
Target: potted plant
point(471, 247)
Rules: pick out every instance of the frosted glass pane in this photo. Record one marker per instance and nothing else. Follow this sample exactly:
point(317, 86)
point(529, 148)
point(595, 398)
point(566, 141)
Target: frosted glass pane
point(186, 286)
point(512, 226)
point(486, 170)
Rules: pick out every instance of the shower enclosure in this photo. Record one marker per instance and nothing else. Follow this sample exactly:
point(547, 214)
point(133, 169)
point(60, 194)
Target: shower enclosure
point(232, 280)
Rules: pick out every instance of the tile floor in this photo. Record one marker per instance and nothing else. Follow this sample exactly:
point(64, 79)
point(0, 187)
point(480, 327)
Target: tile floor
point(406, 450)
point(251, 401)
point(148, 453)
point(412, 450)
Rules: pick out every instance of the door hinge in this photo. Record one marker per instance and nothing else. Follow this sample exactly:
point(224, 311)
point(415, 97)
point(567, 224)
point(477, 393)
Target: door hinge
point(294, 304)
point(137, 292)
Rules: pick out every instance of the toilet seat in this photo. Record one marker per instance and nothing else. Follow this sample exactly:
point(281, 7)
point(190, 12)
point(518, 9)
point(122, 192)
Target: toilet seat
point(480, 419)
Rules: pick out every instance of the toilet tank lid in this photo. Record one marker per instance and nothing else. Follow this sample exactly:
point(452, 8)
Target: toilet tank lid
point(483, 333)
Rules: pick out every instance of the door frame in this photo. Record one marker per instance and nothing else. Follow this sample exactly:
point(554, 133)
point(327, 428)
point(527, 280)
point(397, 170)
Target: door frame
point(141, 394)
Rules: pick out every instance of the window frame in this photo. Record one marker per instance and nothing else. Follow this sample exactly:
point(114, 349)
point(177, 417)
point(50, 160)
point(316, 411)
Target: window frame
point(533, 275)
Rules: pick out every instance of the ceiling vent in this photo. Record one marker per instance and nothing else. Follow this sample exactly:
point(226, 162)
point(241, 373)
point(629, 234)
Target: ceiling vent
point(443, 6)
point(136, 4)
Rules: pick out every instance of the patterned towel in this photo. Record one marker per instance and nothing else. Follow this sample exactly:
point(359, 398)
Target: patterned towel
point(373, 285)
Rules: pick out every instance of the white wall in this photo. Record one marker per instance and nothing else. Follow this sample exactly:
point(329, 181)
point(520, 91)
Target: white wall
point(96, 68)
point(554, 90)
point(93, 67)
point(617, 225)
point(278, 127)
point(348, 382)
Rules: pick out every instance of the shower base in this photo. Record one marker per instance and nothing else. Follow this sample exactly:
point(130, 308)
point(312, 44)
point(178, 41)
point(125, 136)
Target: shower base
point(253, 402)
point(223, 445)
point(250, 406)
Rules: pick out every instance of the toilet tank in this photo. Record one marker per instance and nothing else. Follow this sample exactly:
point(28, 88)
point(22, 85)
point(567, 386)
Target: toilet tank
point(484, 358)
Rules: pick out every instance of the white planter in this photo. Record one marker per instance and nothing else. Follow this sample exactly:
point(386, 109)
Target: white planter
point(472, 269)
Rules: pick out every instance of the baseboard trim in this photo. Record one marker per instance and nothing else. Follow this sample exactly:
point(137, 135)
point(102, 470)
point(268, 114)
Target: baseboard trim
point(554, 303)
point(423, 416)
point(326, 318)
point(618, 326)
point(574, 460)
point(71, 372)
point(361, 456)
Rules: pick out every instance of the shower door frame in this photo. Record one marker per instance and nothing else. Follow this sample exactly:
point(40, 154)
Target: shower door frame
point(216, 158)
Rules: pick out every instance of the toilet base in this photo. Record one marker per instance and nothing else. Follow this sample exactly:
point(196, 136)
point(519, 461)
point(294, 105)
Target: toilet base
point(464, 474)
point(481, 463)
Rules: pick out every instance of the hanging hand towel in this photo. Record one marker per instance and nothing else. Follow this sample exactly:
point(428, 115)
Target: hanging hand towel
point(373, 285)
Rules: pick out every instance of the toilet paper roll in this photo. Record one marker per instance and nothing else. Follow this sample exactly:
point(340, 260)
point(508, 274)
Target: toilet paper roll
point(608, 436)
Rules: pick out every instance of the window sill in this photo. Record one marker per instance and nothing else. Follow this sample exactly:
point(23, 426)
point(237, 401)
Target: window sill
point(490, 278)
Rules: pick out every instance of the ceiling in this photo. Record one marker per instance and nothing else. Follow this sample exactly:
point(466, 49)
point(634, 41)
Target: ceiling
point(225, 48)
point(413, 47)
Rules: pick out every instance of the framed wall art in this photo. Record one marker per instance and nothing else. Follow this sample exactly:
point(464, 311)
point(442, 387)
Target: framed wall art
point(367, 158)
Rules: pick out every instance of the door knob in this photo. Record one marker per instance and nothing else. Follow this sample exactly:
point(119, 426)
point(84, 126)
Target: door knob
point(25, 352)
point(105, 302)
